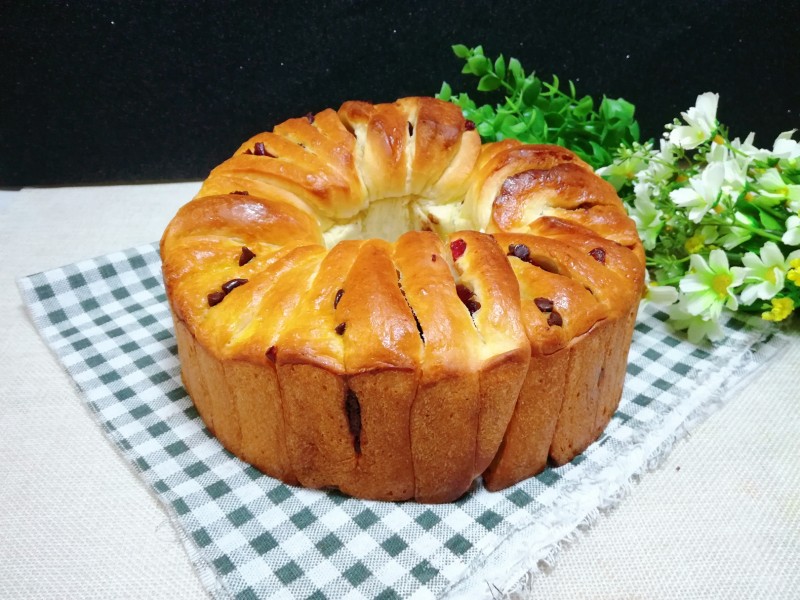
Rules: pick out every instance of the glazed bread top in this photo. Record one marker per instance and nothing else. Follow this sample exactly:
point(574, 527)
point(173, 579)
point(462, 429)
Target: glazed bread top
point(386, 236)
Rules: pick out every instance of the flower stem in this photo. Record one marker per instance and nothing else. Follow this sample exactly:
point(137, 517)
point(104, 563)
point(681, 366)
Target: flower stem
point(756, 230)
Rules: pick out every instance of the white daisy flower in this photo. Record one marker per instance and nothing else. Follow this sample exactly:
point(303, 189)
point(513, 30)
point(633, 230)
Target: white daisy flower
point(701, 193)
point(785, 147)
point(701, 121)
point(792, 235)
point(764, 273)
point(709, 285)
point(734, 171)
point(772, 187)
point(697, 326)
point(648, 218)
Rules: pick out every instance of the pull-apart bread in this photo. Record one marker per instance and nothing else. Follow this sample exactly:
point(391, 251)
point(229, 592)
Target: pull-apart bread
point(370, 299)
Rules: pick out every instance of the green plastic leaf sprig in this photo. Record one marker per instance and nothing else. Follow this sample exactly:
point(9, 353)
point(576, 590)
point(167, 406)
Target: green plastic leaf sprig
point(535, 111)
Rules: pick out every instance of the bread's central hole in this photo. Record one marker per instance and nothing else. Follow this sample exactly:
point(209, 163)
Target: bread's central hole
point(389, 218)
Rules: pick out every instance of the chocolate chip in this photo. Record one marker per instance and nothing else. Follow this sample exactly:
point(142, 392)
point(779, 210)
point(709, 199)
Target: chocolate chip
point(467, 296)
point(231, 285)
point(543, 304)
point(521, 251)
point(352, 409)
point(457, 248)
point(271, 353)
point(469, 125)
point(337, 298)
point(340, 328)
point(464, 293)
point(310, 117)
point(246, 256)
point(598, 254)
point(215, 298)
point(241, 193)
point(410, 129)
point(472, 305)
point(554, 319)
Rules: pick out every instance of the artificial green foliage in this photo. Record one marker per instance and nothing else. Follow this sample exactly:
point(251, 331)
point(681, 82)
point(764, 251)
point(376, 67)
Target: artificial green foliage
point(535, 111)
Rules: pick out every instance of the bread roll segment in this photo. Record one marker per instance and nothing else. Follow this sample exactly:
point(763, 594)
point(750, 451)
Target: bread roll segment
point(370, 300)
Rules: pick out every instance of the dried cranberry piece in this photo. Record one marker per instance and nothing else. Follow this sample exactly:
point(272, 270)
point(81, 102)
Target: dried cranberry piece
point(469, 125)
point(215, 298)
point(543, 304)
point(598, 254)
point(433, 258)
point(554, 319)
point(259, 149)
point(231, 285)
point(310, 117)
point(340, 328)
point(458, 247)
point(241, 192)
point(246, 256)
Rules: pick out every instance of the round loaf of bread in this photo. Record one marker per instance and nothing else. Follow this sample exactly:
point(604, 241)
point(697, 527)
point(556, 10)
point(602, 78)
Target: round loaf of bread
point(371, 300)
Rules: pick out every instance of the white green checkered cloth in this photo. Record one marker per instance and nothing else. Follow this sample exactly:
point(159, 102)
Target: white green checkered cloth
point(251, 536)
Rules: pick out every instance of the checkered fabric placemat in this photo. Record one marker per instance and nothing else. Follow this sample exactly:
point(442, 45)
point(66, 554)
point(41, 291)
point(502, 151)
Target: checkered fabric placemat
point(251, 536)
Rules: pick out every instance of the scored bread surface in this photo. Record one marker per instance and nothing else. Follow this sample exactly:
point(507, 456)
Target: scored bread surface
point(371, 300)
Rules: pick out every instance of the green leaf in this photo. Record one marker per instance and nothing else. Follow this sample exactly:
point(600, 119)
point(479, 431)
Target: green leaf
point(770, 222)
point(500, 67)
point(516, 70)
point(618, 113)
point(488, 83)
point(461, 51)
point(445, 93)
point(584, 106)
point(530, 90)
point(478, 65)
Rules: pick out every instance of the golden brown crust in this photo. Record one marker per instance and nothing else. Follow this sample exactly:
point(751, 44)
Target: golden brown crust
point(399, 369)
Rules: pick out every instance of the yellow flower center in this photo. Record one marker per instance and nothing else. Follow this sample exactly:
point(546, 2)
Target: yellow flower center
point(720, 284)
point(718, 139)
point(770, 276)
point(781, 308)
point(694, 244)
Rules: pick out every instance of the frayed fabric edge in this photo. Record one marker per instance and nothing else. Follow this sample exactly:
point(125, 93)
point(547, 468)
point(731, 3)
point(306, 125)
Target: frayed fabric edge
point(509, 571)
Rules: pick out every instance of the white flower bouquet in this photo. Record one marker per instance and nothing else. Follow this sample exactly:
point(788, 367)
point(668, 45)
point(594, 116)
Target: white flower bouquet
point(718, 218)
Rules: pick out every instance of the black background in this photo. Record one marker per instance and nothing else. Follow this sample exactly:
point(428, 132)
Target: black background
point(104, 92)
